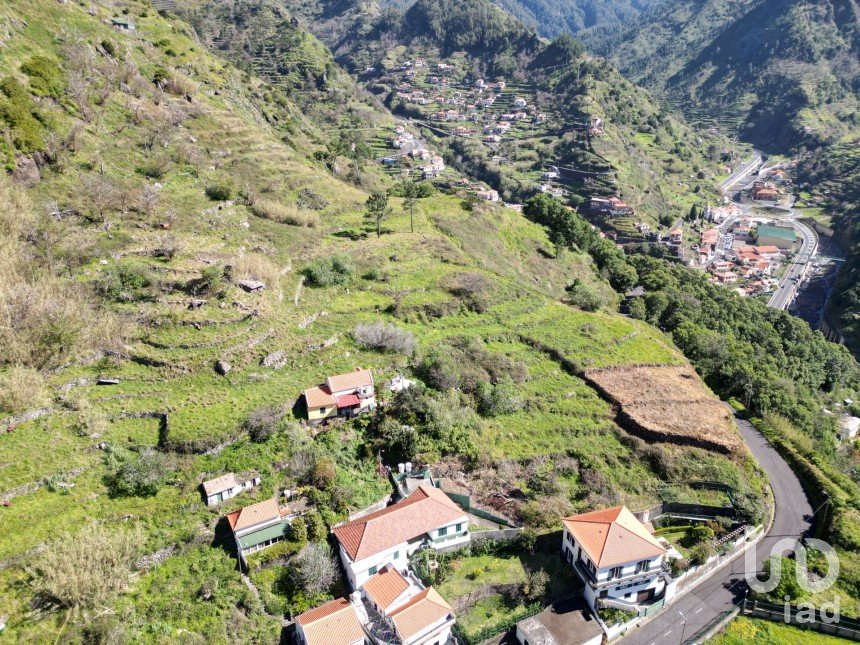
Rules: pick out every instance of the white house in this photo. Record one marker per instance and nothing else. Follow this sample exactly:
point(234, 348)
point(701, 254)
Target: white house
point(262, 524)
point(618, 559)
point(343, 395)
point(228, 486)
point(334, 623)
point(391, 535)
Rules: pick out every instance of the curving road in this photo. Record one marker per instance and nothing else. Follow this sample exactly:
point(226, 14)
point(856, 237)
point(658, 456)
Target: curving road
point(792, 518)
point(784, 294)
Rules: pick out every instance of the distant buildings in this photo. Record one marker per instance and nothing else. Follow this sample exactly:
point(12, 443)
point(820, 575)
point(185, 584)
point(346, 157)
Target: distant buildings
point(778, 236)
point(611, 206)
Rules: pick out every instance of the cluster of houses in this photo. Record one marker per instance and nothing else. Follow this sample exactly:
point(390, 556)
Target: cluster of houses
point(748, 254)
point(619, 560)
point(611, 206)
point(411, 150)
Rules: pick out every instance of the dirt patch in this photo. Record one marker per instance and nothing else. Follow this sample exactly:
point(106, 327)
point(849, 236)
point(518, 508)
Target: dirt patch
point(667, 403)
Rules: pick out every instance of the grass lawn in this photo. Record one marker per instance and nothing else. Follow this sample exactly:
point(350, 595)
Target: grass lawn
point(746, 631)
point(485, 579)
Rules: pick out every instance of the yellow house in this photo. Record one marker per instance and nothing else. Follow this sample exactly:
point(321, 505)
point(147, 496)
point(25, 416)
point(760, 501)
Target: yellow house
point(344, 395)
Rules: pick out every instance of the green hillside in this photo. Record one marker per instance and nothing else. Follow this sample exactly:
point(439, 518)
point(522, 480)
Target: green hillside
point(138, 202)
point(783, 71)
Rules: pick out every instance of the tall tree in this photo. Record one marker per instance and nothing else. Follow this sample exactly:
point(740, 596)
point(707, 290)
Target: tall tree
point(377, 209)
point(411, 193)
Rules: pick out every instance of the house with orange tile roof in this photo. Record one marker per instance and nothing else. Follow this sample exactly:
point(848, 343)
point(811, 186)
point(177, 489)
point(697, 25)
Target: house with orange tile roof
point(427, 517)
point(392, 608)
point(334, 623)
point(262, 524)
point(621, 563)
point(344, 395)
point(401, 610)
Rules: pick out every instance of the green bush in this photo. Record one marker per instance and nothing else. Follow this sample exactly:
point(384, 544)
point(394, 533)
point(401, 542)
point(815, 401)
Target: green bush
point(46, 77)
point(219, 192)
point(21, 115)
point(124, 282)
point(327, 272)
point(135, 474)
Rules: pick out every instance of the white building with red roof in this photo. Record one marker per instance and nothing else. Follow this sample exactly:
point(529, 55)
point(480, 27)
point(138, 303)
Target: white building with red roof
point(343, 395)
point(389, 536)
point(334, 623)
point(621, 563)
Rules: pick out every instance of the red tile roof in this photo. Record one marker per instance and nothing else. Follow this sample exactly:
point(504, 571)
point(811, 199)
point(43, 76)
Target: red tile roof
point(423, 610)
point(385, 587)
point(613, 536)
point(319, 397)
point(424, 510)
point(350, 380)
point(334, 623)
point(348, 401)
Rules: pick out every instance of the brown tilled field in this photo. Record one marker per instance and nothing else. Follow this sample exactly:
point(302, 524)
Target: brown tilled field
point(668, 403)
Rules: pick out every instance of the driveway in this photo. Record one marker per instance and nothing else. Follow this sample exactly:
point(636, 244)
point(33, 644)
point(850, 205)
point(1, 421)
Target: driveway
point(718, 594)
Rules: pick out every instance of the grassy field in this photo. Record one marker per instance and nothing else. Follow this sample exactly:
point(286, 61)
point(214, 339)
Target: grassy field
point(743, 631)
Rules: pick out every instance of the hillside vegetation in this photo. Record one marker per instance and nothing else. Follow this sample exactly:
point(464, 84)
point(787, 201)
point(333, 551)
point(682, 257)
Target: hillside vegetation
point(784, 71)
point(149, 181)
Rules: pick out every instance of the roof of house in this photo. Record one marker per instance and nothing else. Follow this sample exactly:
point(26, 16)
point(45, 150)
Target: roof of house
point(350, 380)
point(385, 587)
point(613, 536)
point(424, 510)
point(767, 248)
point(254, 514)
point(318, 397)
point(348, 401)
point(219, 484)
point(423, 610)
point(777, 232)
point(568, 622)
point(334, 623)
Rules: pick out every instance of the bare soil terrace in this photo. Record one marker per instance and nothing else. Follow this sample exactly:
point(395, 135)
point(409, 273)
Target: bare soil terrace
point(667, 403)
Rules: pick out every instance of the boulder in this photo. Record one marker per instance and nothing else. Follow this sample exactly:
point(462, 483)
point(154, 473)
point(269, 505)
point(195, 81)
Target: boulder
point(252, 285)
point(222, 367)
point(275, 360)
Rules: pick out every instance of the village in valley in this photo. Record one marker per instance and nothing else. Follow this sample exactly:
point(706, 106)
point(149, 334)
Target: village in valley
point(412, 561)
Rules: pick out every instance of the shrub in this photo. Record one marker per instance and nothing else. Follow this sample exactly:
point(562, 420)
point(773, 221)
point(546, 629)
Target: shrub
point(535, 585)
point(90, 422)
point(700, 533)
point(20, 113)
point(21, 389)
point(316, 528)
point(498, 399)
point(86, 569)
point(255, 267)
point(124, 282)
point(210, 279)
point(262, 423)
point(308, 198)
point(385, 337)
point(135, 474)
point(285, 214)
point(585, 297)
point(46, 77)
point(220, 192)
point(700, 553)
point(326, 272)
point(324, 473)
point(314, 569)
point(471, 288)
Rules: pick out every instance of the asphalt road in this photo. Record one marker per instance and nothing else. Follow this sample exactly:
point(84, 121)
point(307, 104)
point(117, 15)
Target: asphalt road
point(787, 288)
point(724, 589)
point(745, 169)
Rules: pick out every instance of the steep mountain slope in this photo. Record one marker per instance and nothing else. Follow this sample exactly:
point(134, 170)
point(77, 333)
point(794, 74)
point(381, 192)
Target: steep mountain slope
point(553, 18)
point(152, 185)
point(659, 164)
point(785, 70)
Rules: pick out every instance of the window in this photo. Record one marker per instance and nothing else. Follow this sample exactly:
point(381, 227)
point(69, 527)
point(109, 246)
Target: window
point(372, 571)
point(642, 566)
point(395, 555)
point(322, 410)
point(614, 572)
point(443, 531)
point(458, 528)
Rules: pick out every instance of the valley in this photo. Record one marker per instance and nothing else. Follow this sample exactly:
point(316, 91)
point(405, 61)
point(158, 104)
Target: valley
point(346, 313)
